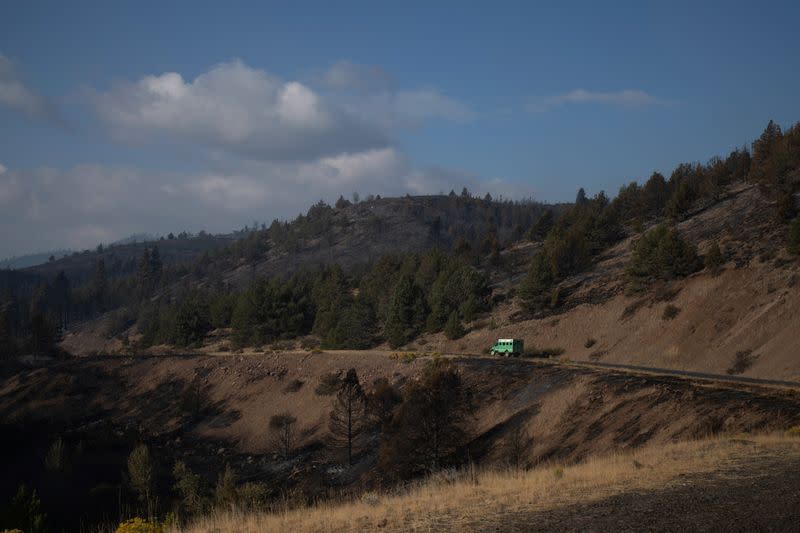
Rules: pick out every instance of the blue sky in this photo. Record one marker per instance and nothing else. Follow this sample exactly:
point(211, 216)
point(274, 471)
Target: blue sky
point(117, 118)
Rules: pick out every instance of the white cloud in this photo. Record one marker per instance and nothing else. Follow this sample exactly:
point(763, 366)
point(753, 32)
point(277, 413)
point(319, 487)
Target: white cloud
point(17, 96)
point(253, 113)
point(627, 97)
point(236, 108)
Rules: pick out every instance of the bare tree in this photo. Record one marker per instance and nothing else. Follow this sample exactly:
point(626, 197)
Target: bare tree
point(283, 433)
point(348, 417)
point(517, 446)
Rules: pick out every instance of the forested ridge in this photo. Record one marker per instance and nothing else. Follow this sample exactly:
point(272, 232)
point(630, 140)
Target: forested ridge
point(439, 281)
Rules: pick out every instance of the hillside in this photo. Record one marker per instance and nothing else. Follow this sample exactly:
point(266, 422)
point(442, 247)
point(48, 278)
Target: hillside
point(662, 488)
point(210, 411)
point(748, 312)
point(740, 319)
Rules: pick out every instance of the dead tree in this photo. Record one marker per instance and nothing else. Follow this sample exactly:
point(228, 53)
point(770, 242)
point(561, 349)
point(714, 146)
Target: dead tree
point(348, 417)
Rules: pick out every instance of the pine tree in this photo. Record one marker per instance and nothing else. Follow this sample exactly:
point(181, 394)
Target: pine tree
point(406, 312)
point(348, 417)
point(453, 328)
point(538, 284)
point(100, 285)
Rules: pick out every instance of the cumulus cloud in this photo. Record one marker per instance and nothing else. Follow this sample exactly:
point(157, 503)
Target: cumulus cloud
point(253, 113)
point(627, 97)
point(237, 108)
point(16, 95)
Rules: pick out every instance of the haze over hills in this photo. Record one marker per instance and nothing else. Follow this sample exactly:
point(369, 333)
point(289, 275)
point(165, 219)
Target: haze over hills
point(29, 260)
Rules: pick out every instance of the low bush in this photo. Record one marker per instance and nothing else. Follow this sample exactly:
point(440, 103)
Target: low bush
point(294, 385)
point(140, 525)
point(670, 312)
point(793, 244)
point(589, 343)
point(714, 259)
point(543, 352)
point(742, 362)
point(328, 384)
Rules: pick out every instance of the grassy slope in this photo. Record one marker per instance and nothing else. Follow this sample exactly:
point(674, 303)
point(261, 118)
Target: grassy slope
point(522, 500)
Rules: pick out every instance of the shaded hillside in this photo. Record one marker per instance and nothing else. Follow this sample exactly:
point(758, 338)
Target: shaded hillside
point(210, 411)
point(351, 235)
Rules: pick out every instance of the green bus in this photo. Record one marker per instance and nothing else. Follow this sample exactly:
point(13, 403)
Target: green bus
point(507, 347)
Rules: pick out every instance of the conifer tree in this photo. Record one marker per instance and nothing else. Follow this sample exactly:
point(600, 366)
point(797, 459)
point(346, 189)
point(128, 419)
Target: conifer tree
point(348, 417)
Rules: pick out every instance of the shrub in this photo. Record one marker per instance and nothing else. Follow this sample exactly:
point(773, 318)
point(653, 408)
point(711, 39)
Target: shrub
point(253, 496)
point(141, 472)
point(328, 384)
point(793, 431)
point(543, 352)
point(190, 487)
point(714, 260)
point(741, 362)
point(589, 343)
point(294, 385)
point(25, 512)
point(225, 494)
point(793, 245)
point(140, 525)
point(56, 459)
point(670, 312)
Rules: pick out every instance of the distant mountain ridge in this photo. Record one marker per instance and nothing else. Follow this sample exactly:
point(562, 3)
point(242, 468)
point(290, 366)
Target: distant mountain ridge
point(29, 260)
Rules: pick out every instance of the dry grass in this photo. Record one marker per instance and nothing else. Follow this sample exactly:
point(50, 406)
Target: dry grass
point(475, 500)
